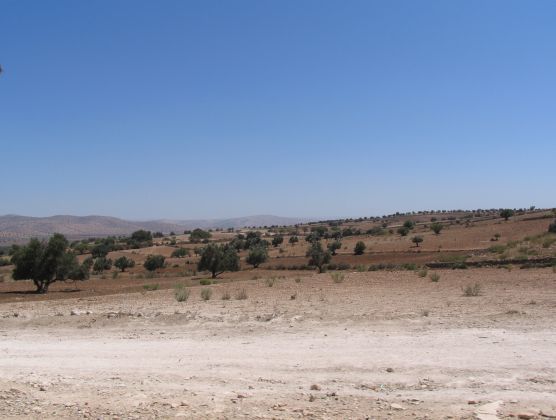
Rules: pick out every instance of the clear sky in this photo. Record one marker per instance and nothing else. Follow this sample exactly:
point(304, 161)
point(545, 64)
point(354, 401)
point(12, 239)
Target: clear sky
point(205, 109)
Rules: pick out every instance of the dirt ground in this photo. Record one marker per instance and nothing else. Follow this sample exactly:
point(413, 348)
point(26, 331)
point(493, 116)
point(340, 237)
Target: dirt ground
point(377, 345)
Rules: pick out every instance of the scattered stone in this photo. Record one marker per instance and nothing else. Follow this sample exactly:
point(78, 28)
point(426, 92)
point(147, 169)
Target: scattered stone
point(470, 402)
point(315, 387)
point(395, 406)
point(389, 370)
point(526, 416)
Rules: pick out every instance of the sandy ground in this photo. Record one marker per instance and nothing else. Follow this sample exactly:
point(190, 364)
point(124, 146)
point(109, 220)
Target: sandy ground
point(377, 345)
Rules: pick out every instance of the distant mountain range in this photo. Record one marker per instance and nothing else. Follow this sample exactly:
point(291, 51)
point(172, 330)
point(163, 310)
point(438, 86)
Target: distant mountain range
point(14, 228)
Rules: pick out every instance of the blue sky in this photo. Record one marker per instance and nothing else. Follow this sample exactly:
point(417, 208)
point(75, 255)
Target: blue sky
point(206, 109)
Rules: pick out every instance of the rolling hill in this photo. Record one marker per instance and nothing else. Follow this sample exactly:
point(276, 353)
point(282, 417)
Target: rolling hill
point(14, 228)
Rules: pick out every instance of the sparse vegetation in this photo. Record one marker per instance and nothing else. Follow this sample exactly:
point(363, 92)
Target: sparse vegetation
point(337, 277)
point(241, 294)
point(206, 294)
point(270, 281)
point(151, 287)
point(435, 277)
point(423, 272)
point(181, 292)
point(226, 295)
point(471, 290)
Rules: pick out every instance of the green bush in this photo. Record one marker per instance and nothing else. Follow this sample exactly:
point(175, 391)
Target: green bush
point(151, 287)
point(205, 282)
point(154, 262)
point(123, 262)
point(435, 277)
point(258, 254)
point(180, 253)
point(436, 227)
point(423, 272)
point(552, 227)
point(359, 248)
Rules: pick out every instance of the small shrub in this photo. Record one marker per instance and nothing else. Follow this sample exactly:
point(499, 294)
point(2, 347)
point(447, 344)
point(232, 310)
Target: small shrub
point(298, 279)
point(206, 294)
point(344, 266)
point(270, 282)
point(205, 282)
point(151, 287)
point(181, 293)
point(471, 290)
point(241, 294)
point(226, 295)
point(4, 262)
point(361, 268)
point(422, 273)
point(552, 227)
point(425, 312)
point(337, 277)
point(115, 275)
point(293, 296)
point(435, 277)
point(497, 249)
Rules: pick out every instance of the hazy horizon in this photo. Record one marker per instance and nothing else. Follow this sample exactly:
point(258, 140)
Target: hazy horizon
point(209, 110)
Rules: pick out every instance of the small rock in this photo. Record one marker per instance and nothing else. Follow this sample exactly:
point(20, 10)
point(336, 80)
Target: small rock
point(526, 416)
point(315, 387)
point(389, 370)
point(470, 402)
point(395, 406)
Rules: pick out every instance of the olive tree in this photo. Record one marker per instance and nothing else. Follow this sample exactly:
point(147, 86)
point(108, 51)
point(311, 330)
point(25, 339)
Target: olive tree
point(153, 262)
point(436, 227)
point(258, 254)
point(359, 248)
point(507, 213)
point(318, 256)
point(417, 240)
point(218, 259)
point(123, 262)
point(333, 246)
point(47, 262)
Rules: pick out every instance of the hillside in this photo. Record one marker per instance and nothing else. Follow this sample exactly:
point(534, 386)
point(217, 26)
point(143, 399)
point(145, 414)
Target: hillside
point(14, 228)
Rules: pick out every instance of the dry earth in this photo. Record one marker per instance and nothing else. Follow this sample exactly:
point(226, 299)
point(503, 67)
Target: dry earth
point(377, 345)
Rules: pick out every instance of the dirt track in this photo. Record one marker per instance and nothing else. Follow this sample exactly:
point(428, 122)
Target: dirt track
point(146, 355)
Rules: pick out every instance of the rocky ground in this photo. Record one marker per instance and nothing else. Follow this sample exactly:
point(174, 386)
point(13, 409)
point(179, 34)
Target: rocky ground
point(376, 345)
